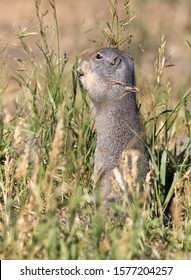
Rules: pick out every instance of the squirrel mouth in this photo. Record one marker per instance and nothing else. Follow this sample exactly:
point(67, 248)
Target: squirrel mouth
point(79, 72)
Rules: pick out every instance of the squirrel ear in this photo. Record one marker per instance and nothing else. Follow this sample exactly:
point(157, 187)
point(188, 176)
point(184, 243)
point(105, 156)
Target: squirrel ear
point(116, 60)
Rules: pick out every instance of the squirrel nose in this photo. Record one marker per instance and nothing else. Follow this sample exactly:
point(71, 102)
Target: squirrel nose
point(79, 72)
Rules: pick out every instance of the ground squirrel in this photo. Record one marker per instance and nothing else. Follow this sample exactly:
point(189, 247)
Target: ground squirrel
point(109, 79)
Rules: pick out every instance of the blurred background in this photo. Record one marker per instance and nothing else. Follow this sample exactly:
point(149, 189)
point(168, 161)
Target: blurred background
point(81, 24)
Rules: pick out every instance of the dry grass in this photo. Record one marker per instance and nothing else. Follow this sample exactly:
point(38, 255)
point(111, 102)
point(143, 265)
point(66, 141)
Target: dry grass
point(47, 144)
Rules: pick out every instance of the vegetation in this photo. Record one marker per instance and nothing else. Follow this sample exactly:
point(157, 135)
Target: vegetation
point(47, 205)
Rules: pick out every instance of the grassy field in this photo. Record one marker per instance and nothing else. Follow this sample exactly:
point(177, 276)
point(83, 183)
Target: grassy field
point(47, 204)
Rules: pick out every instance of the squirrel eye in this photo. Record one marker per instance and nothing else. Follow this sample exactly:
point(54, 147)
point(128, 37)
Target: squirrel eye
point(99, 56)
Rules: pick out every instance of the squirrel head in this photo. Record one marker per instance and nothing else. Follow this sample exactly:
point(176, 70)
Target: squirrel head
point(106, 74)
